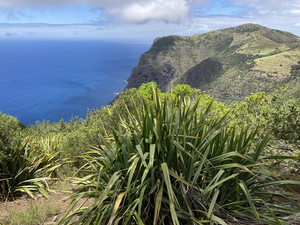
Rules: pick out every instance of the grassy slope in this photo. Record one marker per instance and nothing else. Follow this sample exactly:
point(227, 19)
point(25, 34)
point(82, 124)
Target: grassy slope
point(272, 52)
point(281, 62)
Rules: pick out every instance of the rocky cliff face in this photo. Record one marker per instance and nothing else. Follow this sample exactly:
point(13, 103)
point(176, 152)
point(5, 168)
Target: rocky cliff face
point(229, 63)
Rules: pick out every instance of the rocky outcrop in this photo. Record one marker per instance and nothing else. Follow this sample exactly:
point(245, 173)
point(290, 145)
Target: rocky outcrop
point(145, 74)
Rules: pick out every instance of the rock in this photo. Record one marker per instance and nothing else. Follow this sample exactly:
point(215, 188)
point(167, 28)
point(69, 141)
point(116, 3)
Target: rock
point(54, 218)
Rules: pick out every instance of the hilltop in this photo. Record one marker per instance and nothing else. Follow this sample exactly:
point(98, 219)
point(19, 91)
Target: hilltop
point(229, 64)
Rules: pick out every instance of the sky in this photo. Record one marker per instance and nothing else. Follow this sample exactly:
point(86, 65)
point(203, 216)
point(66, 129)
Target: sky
point(139, 21)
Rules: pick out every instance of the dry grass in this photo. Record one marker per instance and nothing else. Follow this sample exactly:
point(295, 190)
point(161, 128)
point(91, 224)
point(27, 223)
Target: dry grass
point(35, 213)
point(28, 211)
point(280, 63)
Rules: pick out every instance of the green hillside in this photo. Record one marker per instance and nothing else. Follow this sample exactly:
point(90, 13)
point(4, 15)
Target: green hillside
point(230, 63)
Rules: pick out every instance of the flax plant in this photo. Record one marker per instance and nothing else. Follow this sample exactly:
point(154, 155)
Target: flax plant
point(169, 165)
point(26, 168)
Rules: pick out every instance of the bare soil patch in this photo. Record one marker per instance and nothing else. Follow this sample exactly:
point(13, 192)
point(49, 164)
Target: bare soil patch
point(57, 199)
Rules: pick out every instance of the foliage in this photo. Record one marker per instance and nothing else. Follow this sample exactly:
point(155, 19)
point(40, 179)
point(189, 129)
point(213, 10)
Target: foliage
point(245, 28)
point(224, 45)
point(203, 73)
point(23, 167)
point(166, 164)
point(277, 112)
point(185, 90)
point(78, 135)
point(10, 131)
point(146, 89)
point(162, 44)
point(295, 70)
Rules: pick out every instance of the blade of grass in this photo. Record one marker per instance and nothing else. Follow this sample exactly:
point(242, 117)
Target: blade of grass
point(248, 196)
point(116, 206)
point(158, 201)
point(212, 203)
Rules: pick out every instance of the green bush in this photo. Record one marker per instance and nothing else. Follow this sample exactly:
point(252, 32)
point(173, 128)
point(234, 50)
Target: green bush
point(166, 164)
point(10, 138)
point(276, 112)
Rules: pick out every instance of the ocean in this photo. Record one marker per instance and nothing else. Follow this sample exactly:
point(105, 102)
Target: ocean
point(59, 79)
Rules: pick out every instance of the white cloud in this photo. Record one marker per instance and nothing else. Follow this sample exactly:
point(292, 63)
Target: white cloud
point(295, 11)
point(171, 11)
point(137, 11)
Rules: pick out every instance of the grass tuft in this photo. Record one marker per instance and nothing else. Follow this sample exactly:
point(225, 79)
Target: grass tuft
point(35, 213)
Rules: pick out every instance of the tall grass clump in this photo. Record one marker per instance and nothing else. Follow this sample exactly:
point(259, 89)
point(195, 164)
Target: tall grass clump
point(168, 164)
point(26, 167)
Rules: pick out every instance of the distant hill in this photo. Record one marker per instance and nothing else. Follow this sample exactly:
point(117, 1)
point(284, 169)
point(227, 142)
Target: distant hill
point(229, 63)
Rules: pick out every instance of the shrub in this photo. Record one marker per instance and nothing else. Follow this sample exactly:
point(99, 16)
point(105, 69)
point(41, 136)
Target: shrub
point(277, 112)
point(10, 131)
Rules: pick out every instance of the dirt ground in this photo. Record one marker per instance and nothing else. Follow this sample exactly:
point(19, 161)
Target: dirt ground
point(60, 200)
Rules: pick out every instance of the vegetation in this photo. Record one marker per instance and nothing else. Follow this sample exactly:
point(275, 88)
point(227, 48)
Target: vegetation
point(162, 158)
point(10, 131)
point(35, 214)
point(295, 71)
point(202, 74)
point(162, 44)
point(23, 168)
point(22, 163)
point(277, 112)
point(168, 164)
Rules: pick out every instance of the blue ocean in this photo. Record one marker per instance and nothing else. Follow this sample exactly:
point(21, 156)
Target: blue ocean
point(59, 79)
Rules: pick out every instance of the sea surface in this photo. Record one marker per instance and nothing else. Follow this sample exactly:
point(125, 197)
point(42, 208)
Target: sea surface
point(59, 79)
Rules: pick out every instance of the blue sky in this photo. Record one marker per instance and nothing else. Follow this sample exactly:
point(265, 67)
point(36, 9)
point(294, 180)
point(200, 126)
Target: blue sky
point(139, 20)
